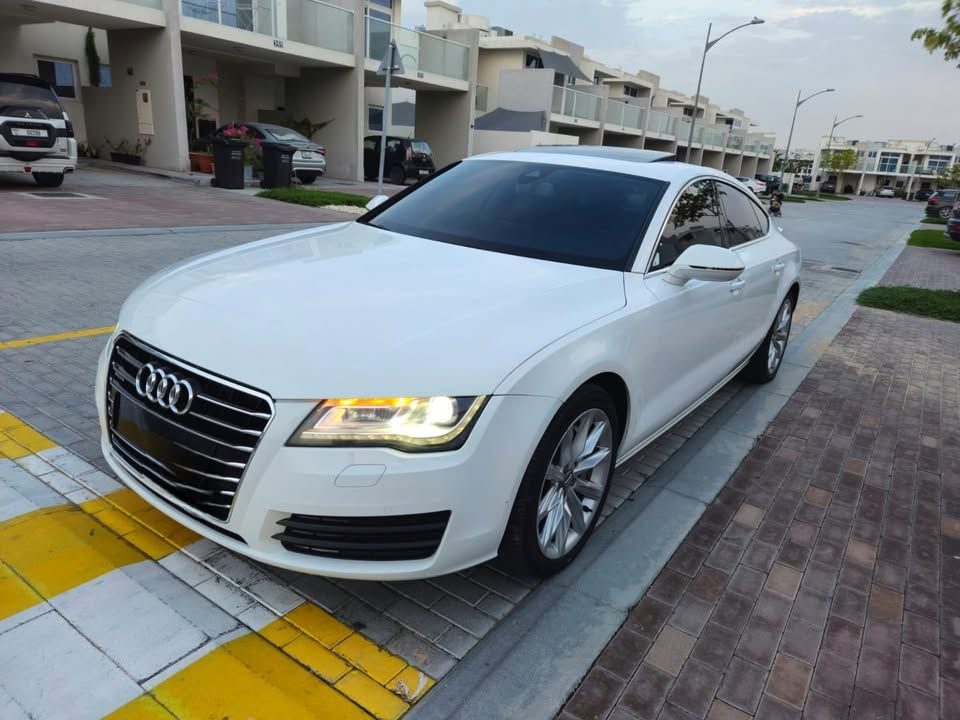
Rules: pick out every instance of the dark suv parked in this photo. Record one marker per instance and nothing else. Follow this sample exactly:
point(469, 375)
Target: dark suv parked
point(941, 203)
point(772, 181)
point(406, 158)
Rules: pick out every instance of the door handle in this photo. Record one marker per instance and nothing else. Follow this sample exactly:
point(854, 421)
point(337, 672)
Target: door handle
point(737, 285)
point(778, 267)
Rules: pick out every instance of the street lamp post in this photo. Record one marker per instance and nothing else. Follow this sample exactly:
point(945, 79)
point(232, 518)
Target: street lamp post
point(786, 154)
point(709, 44)
point(830, 141)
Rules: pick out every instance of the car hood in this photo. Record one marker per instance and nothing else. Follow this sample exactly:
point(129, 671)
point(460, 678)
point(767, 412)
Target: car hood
point(352, 310)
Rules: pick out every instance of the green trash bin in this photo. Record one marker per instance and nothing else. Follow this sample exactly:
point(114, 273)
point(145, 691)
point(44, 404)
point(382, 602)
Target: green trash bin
point(228, 163)
point(277, 164)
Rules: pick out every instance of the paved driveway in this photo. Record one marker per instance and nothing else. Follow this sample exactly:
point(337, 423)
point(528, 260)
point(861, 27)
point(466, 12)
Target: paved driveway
point(404, 635)
point(117, 199)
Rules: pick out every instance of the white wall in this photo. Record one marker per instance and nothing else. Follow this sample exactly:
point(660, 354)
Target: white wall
point(526, 90)
point(20, 45)
point(489, 67)
point(485, 141)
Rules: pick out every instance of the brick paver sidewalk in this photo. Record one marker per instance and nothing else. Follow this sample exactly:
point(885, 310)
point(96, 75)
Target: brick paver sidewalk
point(824, 581)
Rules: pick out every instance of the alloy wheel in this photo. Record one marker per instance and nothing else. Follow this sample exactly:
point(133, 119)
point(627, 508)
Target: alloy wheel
point(574, 483)
point(779, 336)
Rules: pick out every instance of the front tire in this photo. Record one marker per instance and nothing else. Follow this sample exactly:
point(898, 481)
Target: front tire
point(48, 179)
point(944, 212)
point(397, 175)
point(767, 359)
point(565, 485)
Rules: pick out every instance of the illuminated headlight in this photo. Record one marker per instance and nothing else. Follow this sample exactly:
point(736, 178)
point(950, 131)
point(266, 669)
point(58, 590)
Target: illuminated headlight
point(413, 424)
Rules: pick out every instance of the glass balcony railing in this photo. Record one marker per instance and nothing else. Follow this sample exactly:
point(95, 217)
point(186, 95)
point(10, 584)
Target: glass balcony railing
point(418, 51)
point(574, 103)
point(662, 123)
point(146, 3)
point(750, 148)
point(735, 142)
point(625, 115)
point(306, 21)
point(764, 148)
point(319, 24)
point(683, 133)
point(713, 137)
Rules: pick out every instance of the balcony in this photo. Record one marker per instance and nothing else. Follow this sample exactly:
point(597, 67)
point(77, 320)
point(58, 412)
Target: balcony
point(310, 22)
point(714, 137)
point(683, 133)
point(735, 142)
point(750, 148)
point(625, 115)
point(662, 123)
point(575, 104)
point(764, 149)
point(419, 52)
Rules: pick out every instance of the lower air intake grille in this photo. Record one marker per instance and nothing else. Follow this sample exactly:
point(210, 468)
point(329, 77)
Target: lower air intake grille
point(385, 537)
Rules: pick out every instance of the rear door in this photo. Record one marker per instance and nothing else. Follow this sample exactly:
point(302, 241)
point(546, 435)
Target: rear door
point(747, 231)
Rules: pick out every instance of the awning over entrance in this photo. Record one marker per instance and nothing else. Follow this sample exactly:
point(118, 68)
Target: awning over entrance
point(561, 64)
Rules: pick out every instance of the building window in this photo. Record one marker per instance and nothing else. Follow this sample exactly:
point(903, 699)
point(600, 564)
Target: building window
point(375, 118)
point(384, 3)
point(872, 154)
point(61, 74)
point(106, 78)
point(888, 162)
point(938, 162)
point(533, 61)
point(631, 91)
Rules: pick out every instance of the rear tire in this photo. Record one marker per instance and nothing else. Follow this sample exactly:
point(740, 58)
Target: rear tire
point(48, 179)
point(557, 506)
point(767, 359)
point(307, 178)
point(397, 176)
point(944, 212)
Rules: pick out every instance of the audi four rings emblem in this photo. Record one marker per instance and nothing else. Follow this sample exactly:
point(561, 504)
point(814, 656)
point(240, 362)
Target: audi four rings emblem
point(165, 389)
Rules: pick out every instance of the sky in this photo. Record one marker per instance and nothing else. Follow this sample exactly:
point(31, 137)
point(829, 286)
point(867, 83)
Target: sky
point(862, 49)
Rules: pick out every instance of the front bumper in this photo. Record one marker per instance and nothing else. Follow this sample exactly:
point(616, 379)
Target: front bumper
point(476, 484)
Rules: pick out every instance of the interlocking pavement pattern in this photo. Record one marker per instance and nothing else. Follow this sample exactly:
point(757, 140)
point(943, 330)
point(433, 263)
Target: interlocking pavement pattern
point(824, 580)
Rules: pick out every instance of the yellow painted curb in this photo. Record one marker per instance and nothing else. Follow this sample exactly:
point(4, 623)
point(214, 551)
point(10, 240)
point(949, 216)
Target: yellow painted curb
point(56, 337)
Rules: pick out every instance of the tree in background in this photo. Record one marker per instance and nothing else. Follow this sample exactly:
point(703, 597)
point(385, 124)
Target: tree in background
point(946, 38)
point(93, 57)
point(950, 177)
point(839, 161)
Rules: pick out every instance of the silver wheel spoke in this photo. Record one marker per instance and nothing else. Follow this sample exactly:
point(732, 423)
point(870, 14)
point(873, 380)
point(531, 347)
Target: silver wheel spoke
point(563, 527)
point(575, 507)
point(588, 489)
point(554, 474)
point(566, 448)
point(591, 461)
point(581, 438)
point(547, 503)
point(594, 437)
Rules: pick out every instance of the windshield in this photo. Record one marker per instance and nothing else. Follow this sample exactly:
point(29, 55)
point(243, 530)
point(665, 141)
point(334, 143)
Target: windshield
point(20, 100)
point(420, 146)
point(553, 212)
point(285, 134)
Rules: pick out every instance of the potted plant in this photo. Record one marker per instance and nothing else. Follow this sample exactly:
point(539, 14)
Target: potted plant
point(251, 151)
point(201, 156)
point(122, 152)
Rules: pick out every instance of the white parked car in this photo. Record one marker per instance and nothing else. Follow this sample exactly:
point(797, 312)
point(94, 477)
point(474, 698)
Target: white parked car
point(757, 186)
point(454, 375)
point(886, 191)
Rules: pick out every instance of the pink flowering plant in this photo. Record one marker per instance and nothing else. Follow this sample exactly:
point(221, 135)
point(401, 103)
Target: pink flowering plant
point(251, 151)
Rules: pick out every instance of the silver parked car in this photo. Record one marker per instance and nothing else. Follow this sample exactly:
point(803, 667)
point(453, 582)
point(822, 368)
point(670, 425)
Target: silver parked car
point(309, 161)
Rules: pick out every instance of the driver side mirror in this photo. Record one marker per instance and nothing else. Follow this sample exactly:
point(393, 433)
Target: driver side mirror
point(705, 262)
point(376, 201)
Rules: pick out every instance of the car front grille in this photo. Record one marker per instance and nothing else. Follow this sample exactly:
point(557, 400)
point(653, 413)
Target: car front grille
point(199, 455)
point(387, 537)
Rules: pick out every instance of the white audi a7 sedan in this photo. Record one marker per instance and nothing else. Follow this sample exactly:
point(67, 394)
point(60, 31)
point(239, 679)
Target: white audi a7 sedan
point(452, 376)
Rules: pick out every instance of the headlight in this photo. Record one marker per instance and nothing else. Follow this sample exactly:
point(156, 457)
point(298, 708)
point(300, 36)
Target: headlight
point(413, 424)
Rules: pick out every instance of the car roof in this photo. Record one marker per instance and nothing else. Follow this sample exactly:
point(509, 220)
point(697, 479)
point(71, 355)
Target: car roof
point(25, 79)
point(628, 161)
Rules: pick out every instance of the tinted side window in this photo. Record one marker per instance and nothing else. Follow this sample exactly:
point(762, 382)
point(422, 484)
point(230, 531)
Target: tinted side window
point(394, 146)
point(696, 220)
point(741, 223)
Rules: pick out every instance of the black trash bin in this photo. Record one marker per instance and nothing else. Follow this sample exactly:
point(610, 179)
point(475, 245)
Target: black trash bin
point(277, 164)
point(228, 163)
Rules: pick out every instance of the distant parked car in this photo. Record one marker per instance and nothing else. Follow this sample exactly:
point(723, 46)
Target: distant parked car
point(309, 161)
point(941, 203)
point(757, 187)
point(772, 182)
point(886, 191)
point(828, 187)
point(923, 195)
point(36, 135)
point(406, 158)
point(953, 224)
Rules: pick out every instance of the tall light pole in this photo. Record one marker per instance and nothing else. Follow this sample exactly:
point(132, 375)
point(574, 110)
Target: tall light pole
point(709, 44)
point(830, 141)
point(786, 155)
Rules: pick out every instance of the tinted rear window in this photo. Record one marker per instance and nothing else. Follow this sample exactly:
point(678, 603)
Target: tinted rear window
point(420, 146)
point(554, 212)
point(17, 99)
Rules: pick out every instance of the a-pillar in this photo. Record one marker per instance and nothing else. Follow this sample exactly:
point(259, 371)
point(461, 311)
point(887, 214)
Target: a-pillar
point(148, 59)
point(444, 118)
